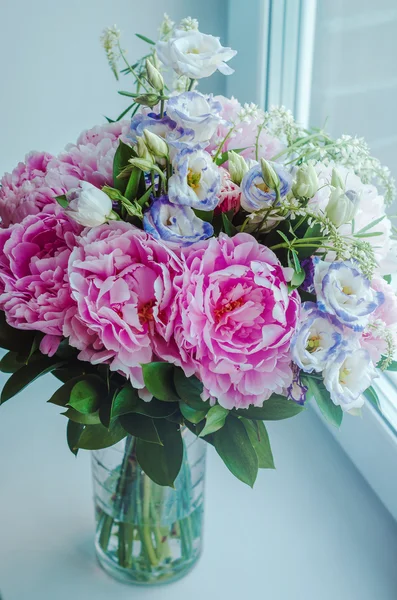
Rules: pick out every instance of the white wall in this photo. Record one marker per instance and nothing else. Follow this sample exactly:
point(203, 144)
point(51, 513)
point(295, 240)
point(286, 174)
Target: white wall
point(355, 72)
point(55, 81)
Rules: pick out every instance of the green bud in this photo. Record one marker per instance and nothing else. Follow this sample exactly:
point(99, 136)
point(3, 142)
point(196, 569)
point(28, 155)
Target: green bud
point(269, 175)
point(154, 76)
point(306, 182)
point(148, 99)
point(142, 149)
point(141, 163)
point(336, 180)
point(154, 60)
point(156, 145)
point(342, 206)
point(237, 167)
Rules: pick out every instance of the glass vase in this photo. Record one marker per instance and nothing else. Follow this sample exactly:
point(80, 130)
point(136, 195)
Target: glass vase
point(147, 533)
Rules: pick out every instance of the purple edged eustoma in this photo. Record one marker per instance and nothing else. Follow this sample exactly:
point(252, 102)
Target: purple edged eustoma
point(256, 195)
point(192, 110)
point(175, 224)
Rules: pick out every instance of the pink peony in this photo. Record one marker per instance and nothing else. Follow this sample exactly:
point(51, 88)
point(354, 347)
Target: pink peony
point(383, 322)
point(91, 158)
point(245, 133)
point(30, 188)
point(122, 282)
point(229, 195)
point(236, 320)
point(34, 292)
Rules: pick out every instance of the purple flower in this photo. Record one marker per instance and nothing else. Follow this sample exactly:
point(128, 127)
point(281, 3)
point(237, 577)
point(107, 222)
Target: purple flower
point(175, 224)
point(255, 193)
point(343, 291)
point(296, 391)
point(161, 126)
point(192, 110)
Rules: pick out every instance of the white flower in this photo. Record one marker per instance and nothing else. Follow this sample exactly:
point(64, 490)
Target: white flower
point(194, 54)
point(306, 182)
point(348, 375)
point(196, 180)
point(342, 206)
point(89, 206)
point(189, 24)
point(344, 292)
point(192, 110)
point(316, 340)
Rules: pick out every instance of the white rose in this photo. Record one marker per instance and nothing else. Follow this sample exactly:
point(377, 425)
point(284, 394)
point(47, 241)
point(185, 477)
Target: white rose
point(89, 206)
point(194, 54)
point(348, 375)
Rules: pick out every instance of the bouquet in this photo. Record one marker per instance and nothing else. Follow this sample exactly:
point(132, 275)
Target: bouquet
point(194, 267)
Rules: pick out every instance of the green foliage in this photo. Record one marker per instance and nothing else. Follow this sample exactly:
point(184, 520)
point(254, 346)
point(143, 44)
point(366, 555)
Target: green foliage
point(77, 417)
point(124, 401)
point(73, 433)
point(274, 409)
point(120, 162)
point(62, 201)
point(259, 439)
point(228, 226)
point(317, 390)
point(162, 463)
point(234, 446)
point(95, 437)
point(158, 378)
point(145, 39)
point(140, 427)
point(190, 414)
point(189, 389)
point(11, 362)
point(14, 339)
point(26, 375)
point(87, 394)
point(204, 215)
point(214, 420)
point(372, 396)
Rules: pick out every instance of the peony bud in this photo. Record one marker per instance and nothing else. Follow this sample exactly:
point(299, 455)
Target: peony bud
point(342, 206)
point(148, 99)
point(154, 76)
point(89, 206)
point(142, 149)
point(156, 145)
point(306, 182)
point(269, 175)
point(237, 167)
point(336, 180)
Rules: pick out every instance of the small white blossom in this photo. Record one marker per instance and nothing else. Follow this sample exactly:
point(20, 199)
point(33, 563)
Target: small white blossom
point(166, 28)
point(189, 24)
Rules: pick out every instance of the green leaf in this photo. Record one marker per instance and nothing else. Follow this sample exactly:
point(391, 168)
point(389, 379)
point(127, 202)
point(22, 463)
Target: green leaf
point(78, 417)
point(11, 362)
point(140, 427)
point(235, 449)
point(387, 278)
point(13, 339)
point(128, 94)
point(62, 201)
point(369, 226)
point(158, 378)
point(73, 433)
point(133, 184)
point(189, 389)
point(62, 395)
point(228, 226)
point(86, 394)
point(156, 408)
point(222, 158)
point(192, 415)
point(162, 463)
point(204, 215)
point(274, 409)
point(143, 199)
point(372, 396)
point(259, 437)
point(145, 39)
point(26, 375)
point(120, 161)
point(214, 420)
point(392, 366)
point(124, 402)
point(121, 115)
point(314, 231)
point(96, 437)
point(317, 390)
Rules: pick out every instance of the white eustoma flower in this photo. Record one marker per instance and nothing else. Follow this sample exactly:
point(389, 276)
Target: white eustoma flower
point(343, 291)
point(348, 375)
point(89, 206)
point(194, 54)
point(196, 181)
point(194, 111)
point(316, 339)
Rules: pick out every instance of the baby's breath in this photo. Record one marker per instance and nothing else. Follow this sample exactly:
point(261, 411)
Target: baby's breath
point(189, 24)
point(110, 42)
point(166, 28)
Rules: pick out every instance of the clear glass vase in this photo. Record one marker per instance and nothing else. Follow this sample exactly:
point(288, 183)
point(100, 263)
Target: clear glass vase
point(146, 533)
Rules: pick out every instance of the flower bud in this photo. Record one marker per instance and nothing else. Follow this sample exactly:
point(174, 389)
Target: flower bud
point(156, 145)
point(142, 149)
point(336, 180)
point(306, 182)
point(154, 76)
point(154, 60)
point(342, 206)
point(148, 99)
point(142, 163)
point(89, 206)
point(237, 167)
point(269, 175)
